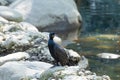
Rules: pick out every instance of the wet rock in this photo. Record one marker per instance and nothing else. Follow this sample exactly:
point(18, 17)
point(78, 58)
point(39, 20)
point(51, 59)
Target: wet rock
point(10, 14)
point(53, 16)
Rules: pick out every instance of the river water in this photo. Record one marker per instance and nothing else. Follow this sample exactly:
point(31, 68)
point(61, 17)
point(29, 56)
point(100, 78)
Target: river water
point(91, 45)
point(100, 34)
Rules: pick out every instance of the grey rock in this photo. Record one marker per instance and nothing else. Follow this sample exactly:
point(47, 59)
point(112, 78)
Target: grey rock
point(56, 16)
point(10, 14)
point(22, 70)
point(3, 2)
point(3, 20)
point(70, 73)
point(14, 57)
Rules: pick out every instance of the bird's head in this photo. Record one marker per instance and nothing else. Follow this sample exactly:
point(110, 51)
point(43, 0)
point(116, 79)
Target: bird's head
point(51, 35)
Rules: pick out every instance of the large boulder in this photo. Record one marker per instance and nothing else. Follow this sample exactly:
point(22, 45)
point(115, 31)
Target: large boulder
point(24, 37)
point(60, 16)
point(16, 36)
point(10, 14)
point(22, 70)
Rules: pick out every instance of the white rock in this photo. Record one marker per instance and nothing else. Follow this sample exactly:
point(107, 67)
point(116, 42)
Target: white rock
point(58, 40)
point(10, 14)
point(83, 63)
point(16, 39)
point(108, 55)
point(70, 73)
point(28, 27)
point(14, 57)
point(22, 70)
point(18, 34)
point(34, 79)
point(3, 20)
point(74, 55)
point(56, 15)
point(24, 36)
point(73, 77)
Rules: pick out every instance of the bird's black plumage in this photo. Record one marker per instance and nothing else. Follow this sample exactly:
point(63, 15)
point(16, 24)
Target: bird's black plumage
point(57, 52)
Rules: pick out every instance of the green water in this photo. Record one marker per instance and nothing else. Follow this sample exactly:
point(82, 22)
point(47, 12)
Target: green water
point(100, 33)
point(91, 45)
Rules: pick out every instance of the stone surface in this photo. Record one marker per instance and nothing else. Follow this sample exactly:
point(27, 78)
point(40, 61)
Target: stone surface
point(6, 2)
point(70, 73)
point(14, 35)
point(23, 70)
point(3, 2)
point(3, 20)
point(10, 1)
point(14, 57)
point(60, 16)
point(108, 55)
point(10, 14)
point(74, 56)
point(24, 37)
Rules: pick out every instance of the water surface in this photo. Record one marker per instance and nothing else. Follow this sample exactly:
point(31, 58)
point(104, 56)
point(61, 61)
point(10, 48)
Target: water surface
point(100, 34)
point(91, 45)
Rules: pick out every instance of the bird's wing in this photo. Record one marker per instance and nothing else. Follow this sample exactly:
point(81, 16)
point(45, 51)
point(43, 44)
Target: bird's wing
point(61, 54)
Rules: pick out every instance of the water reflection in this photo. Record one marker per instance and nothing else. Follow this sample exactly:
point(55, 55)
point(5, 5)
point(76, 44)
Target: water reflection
point(100, 16)
point(91, 45)
point(102, 19)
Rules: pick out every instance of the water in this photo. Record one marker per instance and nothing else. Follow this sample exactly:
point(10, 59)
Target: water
point(100, 33)
point(101, 16)
point(91, 45)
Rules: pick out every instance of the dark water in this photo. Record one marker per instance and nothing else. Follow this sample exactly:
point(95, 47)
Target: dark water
point(100, 33)
point(100, 16)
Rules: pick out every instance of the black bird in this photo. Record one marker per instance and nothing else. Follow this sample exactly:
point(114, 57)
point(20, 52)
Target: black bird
point(57, 52)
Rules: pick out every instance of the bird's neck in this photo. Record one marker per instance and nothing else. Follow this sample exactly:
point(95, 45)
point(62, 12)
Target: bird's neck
point(51, 38)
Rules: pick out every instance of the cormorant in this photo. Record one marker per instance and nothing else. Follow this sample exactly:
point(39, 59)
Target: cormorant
point(57, 52)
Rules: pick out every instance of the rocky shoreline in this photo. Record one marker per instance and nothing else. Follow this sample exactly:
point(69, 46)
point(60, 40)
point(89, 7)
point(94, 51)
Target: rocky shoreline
point(24, 53)
point(25, 50)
